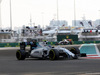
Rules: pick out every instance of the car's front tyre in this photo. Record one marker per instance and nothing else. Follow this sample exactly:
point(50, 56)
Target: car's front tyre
point(76, 51)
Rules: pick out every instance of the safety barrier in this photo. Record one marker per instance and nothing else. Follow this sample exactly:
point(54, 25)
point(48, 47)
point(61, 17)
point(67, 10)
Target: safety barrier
point(9, 44)
point(52, 43)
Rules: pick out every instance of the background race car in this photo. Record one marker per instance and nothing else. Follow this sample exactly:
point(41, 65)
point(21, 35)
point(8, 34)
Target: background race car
point(65, 42)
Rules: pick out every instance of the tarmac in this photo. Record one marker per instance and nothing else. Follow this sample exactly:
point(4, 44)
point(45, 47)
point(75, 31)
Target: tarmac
point(9, 65)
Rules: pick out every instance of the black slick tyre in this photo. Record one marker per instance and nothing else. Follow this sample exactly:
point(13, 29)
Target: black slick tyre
point(53, 54)
point(20, 54)
point(76, 51)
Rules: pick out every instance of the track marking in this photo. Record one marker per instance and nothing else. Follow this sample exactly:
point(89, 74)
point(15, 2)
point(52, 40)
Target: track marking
point(92, 57)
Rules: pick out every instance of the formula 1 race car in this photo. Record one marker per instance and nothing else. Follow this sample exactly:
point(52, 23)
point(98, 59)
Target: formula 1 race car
point(64, 42)
point(46, 51)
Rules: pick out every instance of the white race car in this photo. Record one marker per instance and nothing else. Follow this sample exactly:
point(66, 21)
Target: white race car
point(45, 51)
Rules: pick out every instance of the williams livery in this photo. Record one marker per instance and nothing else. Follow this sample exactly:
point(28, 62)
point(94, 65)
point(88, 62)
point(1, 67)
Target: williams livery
point(45, 51)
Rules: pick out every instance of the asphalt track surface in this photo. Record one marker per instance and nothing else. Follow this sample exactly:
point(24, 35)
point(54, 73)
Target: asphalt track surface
point(9, 65)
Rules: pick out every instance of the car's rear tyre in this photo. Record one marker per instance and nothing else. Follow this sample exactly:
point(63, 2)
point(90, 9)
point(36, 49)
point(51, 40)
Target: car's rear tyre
point(20, 54)
point(53, 54)
point(76, 51)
